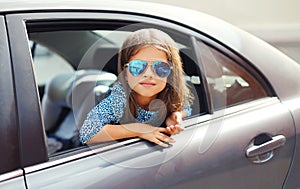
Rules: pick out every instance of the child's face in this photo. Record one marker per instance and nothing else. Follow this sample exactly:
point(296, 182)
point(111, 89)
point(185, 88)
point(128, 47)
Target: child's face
point(148, 84)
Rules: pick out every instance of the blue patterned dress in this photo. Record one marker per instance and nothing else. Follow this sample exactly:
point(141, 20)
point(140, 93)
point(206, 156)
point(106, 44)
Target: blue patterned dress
point(110, 111)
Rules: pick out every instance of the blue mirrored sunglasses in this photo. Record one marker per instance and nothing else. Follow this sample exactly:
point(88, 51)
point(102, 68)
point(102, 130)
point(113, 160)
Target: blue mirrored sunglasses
point(137, 67)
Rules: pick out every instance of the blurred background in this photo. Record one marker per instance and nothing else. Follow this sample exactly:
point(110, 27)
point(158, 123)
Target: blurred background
point(275, 21)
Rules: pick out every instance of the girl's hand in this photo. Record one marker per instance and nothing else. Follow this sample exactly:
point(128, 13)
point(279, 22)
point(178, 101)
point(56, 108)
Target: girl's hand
point(173, 123)
point(156, 135)
point(174, 129)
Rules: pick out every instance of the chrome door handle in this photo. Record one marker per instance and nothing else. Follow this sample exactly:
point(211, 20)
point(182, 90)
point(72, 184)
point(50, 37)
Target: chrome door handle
point(264, 152)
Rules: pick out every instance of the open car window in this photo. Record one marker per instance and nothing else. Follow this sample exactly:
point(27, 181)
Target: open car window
point(45, 59)
point(87, 60)
point(75, 68)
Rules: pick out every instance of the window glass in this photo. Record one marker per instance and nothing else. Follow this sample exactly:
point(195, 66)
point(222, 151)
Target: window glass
point(115, 38)
point(229, 82)
point(47, 63)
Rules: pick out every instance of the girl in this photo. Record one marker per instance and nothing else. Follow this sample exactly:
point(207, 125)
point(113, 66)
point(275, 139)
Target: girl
point(150, 92)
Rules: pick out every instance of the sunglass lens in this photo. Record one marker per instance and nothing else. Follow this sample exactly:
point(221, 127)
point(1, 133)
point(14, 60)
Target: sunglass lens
point(136, 67)
point(162, 69)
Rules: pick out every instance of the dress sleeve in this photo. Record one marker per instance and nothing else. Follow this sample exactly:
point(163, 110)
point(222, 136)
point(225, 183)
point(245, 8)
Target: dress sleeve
point(109, 111)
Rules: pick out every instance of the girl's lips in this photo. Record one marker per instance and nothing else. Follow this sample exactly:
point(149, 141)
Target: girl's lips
point(147, 84)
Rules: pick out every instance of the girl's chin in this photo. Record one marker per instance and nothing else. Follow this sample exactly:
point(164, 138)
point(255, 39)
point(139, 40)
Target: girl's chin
point(146, 94)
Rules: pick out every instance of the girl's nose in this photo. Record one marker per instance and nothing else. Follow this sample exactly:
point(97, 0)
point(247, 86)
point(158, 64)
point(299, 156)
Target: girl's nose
point(148, 72)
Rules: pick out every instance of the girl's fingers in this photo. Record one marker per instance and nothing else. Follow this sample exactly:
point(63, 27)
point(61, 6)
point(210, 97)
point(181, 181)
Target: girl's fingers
point(179, 128)
point(165, 138)
point(168, 129)
point(162, 140)
point(158, 137)
point(174, 129)
point(161, 129)
point(160, 143)
point(171, 129)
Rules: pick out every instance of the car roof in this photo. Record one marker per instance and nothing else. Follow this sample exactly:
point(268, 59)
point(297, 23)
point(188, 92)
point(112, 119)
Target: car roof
point(217, 29)
point(192, 18)
point(224, 33)
point(41, 5)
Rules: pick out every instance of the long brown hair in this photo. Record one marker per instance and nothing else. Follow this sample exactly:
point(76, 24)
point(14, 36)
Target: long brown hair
point(176, 94)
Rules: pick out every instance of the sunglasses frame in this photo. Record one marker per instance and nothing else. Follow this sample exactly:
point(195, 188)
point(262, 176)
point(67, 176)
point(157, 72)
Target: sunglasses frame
point(149, 63)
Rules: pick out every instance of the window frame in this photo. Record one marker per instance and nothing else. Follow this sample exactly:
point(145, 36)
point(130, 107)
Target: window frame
point(9, 131)
point(30, 128)
point(20, 21)
point(239, 60)
point(23, 18)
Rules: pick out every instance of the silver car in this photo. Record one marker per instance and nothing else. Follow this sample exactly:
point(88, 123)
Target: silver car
point(57, 60)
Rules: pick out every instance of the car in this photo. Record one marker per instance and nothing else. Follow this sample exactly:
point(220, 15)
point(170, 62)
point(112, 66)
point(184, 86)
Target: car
point(58, 59)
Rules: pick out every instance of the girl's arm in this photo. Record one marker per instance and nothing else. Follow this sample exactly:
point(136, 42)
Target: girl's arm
point(145, 131)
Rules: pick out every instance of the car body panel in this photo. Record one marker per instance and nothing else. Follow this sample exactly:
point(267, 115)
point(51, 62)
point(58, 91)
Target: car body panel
point(210, 152)
point(199, 159)
point(292, 180)
point(14, 179)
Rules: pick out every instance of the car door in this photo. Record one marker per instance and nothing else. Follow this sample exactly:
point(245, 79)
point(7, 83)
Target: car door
point(249, 140)
point(62, 169)
point(244, 138)
point(226, 145)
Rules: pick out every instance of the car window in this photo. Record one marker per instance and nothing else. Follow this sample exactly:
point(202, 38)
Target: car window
point(67, 67)
point(47, 63)
point(74, 69)
point(116, 38)
point(67, 72)
point(229, 82)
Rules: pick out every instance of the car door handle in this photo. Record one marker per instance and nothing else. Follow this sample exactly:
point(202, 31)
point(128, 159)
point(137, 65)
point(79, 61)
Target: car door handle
point(264, 152)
